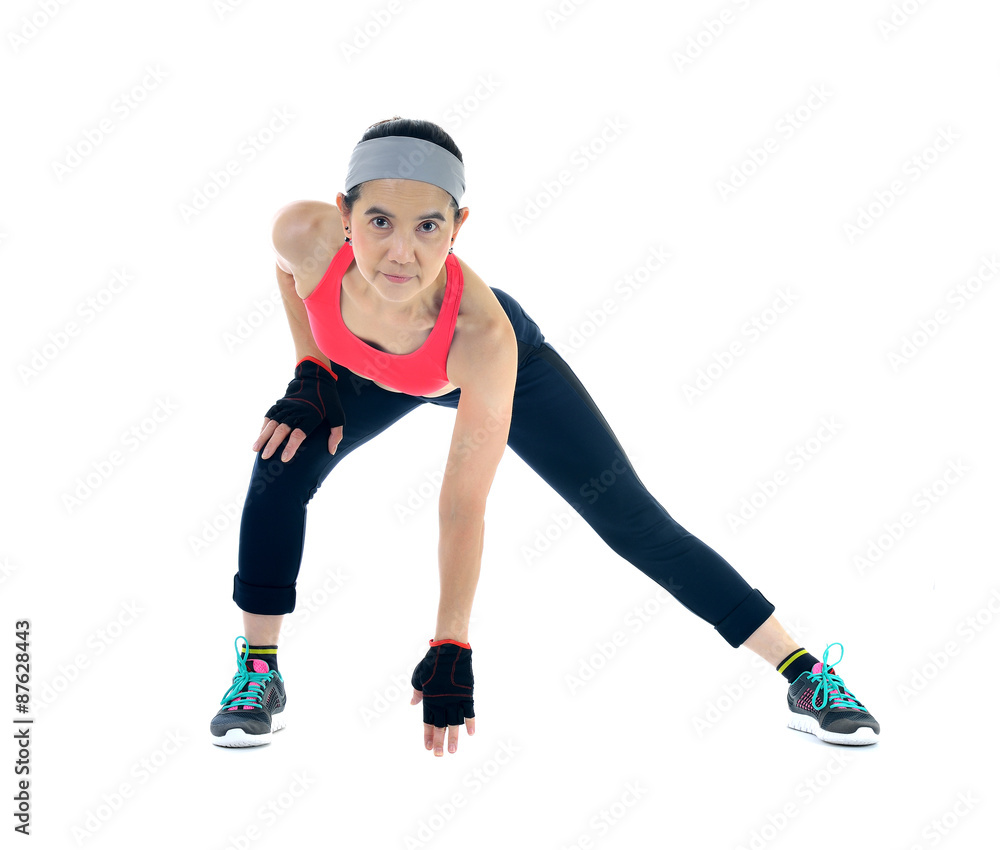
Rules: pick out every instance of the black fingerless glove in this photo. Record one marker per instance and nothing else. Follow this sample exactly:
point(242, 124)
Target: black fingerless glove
point(311, 398)
point(445, 677)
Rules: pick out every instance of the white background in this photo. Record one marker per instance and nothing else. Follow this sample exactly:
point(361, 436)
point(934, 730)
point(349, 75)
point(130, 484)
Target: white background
point(696, 726)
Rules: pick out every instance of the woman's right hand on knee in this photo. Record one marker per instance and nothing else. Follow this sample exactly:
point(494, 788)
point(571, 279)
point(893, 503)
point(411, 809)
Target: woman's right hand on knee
point(311, 398)
point(273, 434)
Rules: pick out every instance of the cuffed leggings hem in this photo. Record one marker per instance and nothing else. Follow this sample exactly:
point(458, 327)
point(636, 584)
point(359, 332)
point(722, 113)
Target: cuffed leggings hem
point(255, 599)
point(745, 619)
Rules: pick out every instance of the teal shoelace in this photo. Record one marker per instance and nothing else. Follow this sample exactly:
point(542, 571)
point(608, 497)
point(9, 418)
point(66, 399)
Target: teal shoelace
point(253, 682)
point(832, 686)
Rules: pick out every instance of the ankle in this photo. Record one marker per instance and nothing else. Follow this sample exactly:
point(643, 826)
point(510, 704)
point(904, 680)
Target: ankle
point(796, 663)
point(262, 629)
point(265, 653)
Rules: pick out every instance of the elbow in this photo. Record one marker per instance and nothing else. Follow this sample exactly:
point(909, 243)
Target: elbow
point(462, 511)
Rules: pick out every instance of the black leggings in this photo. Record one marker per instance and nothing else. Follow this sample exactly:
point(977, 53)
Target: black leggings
point(558, 431)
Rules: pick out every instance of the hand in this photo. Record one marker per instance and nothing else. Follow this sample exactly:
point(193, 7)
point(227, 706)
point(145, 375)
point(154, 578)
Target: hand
point(443, 679)
point(311, 398)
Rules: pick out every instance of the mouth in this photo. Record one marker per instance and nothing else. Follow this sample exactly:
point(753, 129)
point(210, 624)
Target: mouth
point(394, 278)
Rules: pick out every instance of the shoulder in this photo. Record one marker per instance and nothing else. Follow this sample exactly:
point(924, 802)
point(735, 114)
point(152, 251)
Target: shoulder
point(298, 232)
point(484, 342)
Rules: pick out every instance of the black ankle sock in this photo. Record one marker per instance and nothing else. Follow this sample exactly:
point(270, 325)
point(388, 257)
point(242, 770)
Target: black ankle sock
point(264, 653)
point(795, 664)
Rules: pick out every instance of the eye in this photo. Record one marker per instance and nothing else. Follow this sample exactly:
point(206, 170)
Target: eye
point(433, 225)
point(379, 218)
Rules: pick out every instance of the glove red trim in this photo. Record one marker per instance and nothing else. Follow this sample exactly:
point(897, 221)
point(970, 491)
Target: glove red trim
point(319, 363)
point(433, 642)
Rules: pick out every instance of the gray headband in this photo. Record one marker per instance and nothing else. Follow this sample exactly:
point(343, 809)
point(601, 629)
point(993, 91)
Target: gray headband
point(407, 158)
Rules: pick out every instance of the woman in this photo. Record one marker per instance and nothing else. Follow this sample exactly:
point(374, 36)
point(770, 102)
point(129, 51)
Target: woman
point(391, 319)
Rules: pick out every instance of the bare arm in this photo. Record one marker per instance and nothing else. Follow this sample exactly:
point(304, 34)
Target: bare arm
point(292, 228)
point(298, 319)
point(294, 232)
point(486, 372)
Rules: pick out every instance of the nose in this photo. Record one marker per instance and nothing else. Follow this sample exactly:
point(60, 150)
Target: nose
point(401, 249)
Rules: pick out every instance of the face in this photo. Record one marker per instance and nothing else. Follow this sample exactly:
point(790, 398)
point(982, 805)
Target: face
point(401, 231)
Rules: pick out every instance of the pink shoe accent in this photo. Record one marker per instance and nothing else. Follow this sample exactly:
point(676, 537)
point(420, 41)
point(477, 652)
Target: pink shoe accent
point(258, 667)
point(836, 700)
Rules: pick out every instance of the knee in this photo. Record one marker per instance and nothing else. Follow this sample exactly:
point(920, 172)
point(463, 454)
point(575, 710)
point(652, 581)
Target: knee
point(295, 479)
point(624, 508)
point(268, 472)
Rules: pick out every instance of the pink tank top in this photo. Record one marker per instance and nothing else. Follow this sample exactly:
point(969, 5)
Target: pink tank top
point(418, 373)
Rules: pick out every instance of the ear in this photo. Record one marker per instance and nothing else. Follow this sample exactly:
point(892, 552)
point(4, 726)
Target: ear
point(463, 214)
point(343, 209)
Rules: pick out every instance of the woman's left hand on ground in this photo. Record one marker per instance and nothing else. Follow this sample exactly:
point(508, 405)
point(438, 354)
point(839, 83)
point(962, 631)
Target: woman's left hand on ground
point(443, 680)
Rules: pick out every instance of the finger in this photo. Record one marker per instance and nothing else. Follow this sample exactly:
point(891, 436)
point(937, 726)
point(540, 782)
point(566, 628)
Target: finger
point(439, 740)
point(417, 696)
point(265, 431)
point(277, 437)
point(453, 738)
point(428, 736)
point(336, 435)
point(266, 435)
point(294, 441)
point(470, 725)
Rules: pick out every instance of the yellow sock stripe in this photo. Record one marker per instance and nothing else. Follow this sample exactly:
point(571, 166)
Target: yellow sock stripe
point(263, 651)
point(798, 654)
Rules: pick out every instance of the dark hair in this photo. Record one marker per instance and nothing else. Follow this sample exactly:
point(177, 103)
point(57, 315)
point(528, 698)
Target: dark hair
point(415, 128)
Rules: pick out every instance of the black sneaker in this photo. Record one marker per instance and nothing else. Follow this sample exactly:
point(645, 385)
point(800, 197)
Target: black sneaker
point(840, 718)
point(253, 707)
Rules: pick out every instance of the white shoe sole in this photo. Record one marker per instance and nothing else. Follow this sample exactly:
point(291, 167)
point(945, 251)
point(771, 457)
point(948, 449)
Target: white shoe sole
point(239, 738)
point(804, 723)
